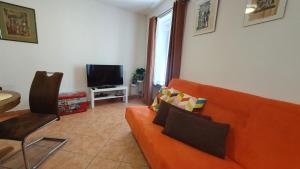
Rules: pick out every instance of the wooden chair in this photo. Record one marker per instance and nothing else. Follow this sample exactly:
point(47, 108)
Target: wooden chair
point(43, 101)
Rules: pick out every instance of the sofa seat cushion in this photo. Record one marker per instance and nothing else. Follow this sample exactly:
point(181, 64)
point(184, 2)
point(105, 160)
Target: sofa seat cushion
point(163, 152)
point(138, 115)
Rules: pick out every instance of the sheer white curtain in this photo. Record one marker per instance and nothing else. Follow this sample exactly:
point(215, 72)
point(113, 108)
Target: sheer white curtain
point(163, 31)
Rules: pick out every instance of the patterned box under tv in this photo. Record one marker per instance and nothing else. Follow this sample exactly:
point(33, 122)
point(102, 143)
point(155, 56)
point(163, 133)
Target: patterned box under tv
point(70, 103)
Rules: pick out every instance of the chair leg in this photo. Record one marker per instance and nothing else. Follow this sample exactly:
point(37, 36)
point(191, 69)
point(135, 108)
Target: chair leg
point(43, 158)
point(26, 162)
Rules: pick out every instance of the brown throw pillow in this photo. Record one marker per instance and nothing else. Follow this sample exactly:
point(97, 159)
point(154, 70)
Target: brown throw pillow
point(197, 132)
point(163, 111)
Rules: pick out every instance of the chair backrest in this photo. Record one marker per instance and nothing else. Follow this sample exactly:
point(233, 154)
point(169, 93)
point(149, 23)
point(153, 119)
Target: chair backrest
point(44, 92)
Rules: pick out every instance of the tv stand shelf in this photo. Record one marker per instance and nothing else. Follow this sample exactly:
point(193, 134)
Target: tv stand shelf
point(94, 92)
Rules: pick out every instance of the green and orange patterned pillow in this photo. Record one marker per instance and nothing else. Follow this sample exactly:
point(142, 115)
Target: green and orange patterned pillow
point(178, 99)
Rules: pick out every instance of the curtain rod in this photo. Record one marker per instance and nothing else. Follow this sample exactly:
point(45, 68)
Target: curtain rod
point(165, 13)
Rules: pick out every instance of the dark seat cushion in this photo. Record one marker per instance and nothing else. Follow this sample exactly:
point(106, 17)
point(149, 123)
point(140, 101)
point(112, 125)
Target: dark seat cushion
point(163, 111)
point(19, 127)
point(202, 134)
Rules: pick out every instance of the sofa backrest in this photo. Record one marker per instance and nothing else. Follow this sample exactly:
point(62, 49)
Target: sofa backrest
point(246, 114)
point(272, 138)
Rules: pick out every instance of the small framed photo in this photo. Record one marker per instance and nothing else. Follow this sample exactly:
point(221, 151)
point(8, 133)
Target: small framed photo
point(259, 11)
point(206, 12)
point(17, 23)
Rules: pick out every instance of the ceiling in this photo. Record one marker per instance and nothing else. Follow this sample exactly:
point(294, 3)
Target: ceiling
point(137, 6)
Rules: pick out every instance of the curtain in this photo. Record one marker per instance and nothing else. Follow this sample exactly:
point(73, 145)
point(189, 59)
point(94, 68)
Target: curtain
point(148, 86)
point(176, 39)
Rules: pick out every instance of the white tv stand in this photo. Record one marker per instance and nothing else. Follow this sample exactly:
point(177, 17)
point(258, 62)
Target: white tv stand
point(94, 91)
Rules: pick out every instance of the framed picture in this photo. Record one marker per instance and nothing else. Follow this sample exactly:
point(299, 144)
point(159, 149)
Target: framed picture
point(17, 23)
point(258, 11)
point(205, 16)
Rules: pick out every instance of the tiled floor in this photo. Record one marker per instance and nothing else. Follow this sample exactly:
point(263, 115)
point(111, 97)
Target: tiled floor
point(98, 139)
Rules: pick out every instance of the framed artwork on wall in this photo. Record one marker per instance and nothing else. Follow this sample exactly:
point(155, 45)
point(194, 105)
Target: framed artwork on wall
point(259, 11)
point(17, 23)
point(206, 12)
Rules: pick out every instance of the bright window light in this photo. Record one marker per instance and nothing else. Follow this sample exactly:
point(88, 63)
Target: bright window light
point(163, 31)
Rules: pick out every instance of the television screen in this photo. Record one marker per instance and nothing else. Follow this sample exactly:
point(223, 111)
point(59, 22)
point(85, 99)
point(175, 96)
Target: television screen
point(104, 75)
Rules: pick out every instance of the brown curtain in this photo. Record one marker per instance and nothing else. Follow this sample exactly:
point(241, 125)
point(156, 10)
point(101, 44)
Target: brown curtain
point(148, 86)
point(175, 50)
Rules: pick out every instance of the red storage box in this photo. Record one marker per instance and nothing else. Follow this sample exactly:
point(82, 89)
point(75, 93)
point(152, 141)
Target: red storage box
point(70, 103)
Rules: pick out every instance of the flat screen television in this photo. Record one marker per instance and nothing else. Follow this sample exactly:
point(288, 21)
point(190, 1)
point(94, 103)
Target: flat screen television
point(104, 75)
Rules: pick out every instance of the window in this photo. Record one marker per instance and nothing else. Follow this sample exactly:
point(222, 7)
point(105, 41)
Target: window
point(163, 32)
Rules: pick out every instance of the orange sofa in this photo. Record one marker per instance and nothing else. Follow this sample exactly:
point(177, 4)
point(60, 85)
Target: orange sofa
point(264, 134)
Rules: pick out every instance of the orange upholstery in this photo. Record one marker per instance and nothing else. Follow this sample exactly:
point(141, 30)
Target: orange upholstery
point(273, 137)
point(163, 152)
point(264, 134)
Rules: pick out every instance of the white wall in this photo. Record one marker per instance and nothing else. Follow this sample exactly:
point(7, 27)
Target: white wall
point(72, 33)
point(164, 6)
point(262, 59)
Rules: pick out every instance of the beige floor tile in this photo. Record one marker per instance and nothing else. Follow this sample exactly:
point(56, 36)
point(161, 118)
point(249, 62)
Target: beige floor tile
point(131, 166)
point(134, 156)
point(113, 151)
point(124, 141)
point(34, 155)
point(122, 135)
point(88, 145)
point(100, 163)
point(64, 160)
point(99, 138)
point(11, 146)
